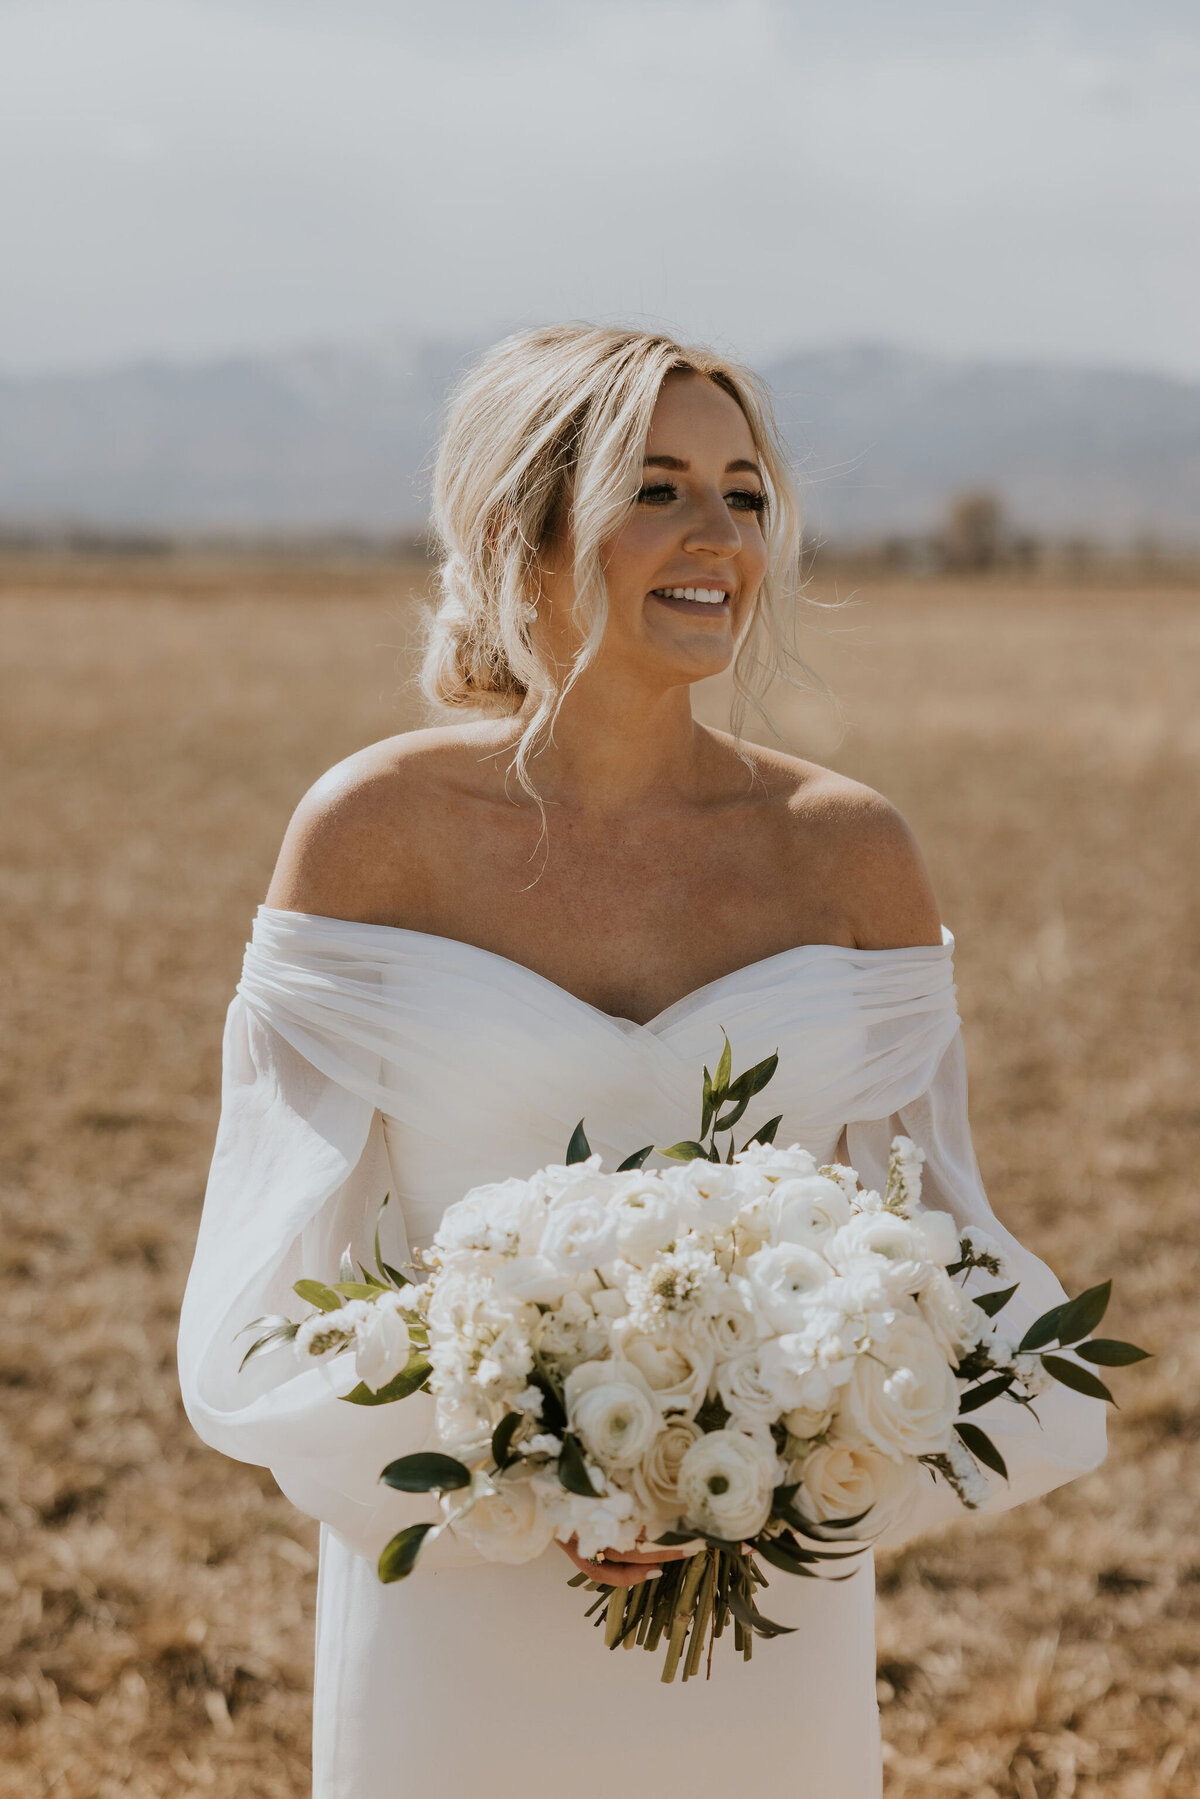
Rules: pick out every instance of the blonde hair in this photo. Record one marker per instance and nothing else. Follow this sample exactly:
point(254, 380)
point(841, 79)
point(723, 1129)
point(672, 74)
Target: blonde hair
point(550, 425)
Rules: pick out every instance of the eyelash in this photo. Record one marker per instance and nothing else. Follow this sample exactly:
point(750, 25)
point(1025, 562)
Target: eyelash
point(756, 502)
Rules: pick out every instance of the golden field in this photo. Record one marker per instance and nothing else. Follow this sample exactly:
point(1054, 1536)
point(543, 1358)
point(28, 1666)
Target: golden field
point(159, 721)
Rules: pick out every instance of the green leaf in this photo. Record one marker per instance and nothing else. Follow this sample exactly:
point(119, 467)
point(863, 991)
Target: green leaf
point(578, 1149)
point(982, 1448)
point(636, 1160)
point(394, 1275)
point(766, 1134)
point(1072, 1375)
point(1081, 1316)
point(427, 1472)
point(409, 1380)
point(991, 1303)
point(754, 1079)
point(747, 1615)
point(686, 1151)
point(1107, 1352)
point(502, 1438)
point(346, 1265)
point(728, 1119)
point(357, 1289)
point(399, 1558)
point(279, 1330)
point(720, 1080)
point(707, 1108)
point(1043, 1330)
point(316, 1293)
point(991, 1389)
point(572, 1469)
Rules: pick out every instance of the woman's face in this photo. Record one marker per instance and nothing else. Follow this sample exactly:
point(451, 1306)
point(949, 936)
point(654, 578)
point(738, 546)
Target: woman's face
point(696, 527)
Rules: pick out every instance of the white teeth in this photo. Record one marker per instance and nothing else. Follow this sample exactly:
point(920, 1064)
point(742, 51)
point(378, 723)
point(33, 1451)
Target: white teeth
point(708, 596)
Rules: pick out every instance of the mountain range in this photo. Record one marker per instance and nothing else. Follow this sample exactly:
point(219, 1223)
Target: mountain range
point(329, 439)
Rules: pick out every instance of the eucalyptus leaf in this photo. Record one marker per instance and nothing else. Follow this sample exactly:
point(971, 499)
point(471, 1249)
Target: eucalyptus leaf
point(281, 1331)
point(502, 1438)
point(426, 1472)
point(1043, 1330)
point(1107, 1352)
point(410, 1379)
point(316, 1293)
point(979, 1396)
point(572, 1468)
point(991, 1303)
point(1081, 1315)
point(982, 1448)
point(578, 1149)
point(399, 1558)
point(1070, 1374)
point(728, 1119)
point(636, 1160)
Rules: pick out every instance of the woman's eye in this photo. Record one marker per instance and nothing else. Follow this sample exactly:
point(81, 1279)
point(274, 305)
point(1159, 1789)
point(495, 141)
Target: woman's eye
point(747, 499)
point(657, 494)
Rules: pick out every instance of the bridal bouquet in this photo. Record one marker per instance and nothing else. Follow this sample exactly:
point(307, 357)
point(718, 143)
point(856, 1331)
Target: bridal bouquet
point(749, 1356)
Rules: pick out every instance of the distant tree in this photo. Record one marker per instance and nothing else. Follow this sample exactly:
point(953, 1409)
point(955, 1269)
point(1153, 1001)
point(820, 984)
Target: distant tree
point(974, 537)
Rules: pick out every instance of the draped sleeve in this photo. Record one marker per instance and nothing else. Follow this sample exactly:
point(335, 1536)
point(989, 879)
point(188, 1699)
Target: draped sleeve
point(298, 1174)
point(1065, 1435)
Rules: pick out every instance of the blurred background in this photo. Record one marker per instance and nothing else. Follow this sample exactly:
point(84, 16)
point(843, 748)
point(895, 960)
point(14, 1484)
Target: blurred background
point(247, 243)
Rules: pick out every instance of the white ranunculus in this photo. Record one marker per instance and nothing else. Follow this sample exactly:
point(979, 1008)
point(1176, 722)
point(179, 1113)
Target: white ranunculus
point(655, 1480)
point(902, 1397)
point(509, 1524)
point(678, 1365)
point(782, 1281)
point(505, 1215)
point(612, 1410)
point(381, 1341)
point(839, 1482)
point(806, 1209)
point(952, 1315)
point(580, 1230)
point(726, 1483)
point(871, 1238)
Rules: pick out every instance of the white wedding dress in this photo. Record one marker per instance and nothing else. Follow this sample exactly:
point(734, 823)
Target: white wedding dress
point(362, 1059)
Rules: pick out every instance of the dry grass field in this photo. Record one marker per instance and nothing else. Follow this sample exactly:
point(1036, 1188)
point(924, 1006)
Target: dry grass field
point(158, 723)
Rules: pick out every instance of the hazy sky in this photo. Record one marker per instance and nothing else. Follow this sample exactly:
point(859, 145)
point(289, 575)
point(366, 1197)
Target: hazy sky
point(186, 177)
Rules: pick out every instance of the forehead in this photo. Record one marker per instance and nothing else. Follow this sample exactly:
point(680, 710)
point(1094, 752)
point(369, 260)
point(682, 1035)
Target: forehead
point(692, 411)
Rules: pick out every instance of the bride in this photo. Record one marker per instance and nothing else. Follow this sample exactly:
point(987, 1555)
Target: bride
point(548, 907)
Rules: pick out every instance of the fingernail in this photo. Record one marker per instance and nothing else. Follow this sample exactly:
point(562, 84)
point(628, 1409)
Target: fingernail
point(652, 1573)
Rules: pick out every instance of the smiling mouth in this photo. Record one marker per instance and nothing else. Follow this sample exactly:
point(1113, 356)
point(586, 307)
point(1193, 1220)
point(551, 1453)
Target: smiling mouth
point(710, 601)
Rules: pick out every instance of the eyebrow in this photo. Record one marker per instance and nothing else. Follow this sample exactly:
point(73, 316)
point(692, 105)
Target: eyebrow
point(740, 467)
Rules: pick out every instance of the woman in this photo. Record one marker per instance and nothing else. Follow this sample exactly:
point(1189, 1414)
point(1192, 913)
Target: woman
point(479, 932)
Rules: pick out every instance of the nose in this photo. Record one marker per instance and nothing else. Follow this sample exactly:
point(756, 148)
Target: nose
point(712, 527)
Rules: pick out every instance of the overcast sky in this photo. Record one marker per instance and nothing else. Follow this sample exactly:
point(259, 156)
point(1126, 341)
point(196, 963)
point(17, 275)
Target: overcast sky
point(189, 177)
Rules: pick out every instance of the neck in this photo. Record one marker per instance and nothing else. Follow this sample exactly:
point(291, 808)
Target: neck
point(616, 746)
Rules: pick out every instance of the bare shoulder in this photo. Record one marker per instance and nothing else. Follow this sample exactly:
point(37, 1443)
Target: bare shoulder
point(861, 846)
point(360, 836)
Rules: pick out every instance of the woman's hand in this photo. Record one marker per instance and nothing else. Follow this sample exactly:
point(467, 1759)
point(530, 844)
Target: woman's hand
point(628, 1567)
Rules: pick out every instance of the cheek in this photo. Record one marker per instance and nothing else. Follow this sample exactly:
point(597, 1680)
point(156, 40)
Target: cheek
point(636, 551)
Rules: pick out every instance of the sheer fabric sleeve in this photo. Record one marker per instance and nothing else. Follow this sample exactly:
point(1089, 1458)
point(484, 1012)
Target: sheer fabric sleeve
point(299, 1171)
point(1070, 1438)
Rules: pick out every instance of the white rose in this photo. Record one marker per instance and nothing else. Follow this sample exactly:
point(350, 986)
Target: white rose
point(677, 1364)
point(902, 1397)
point(939, 1235)
point(750, 1393)
point(646, 1213)
point(733, 1324)
point(899, 1245)
point(381, 1341)
point(580, 1230)
point(708, 1194)
point(613, 1411)
point(952, 1315)
point(806, 1210)
point(507, 1524)
point(807, 1421)
point(655, 1480)
point(839, 1482)
point(775, 1164)
point(726, 1484)
point(505, 1216)
point(782, 1281)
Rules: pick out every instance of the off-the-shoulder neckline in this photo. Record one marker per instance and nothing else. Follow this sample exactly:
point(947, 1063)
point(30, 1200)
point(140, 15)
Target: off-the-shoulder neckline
point(321, 920)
